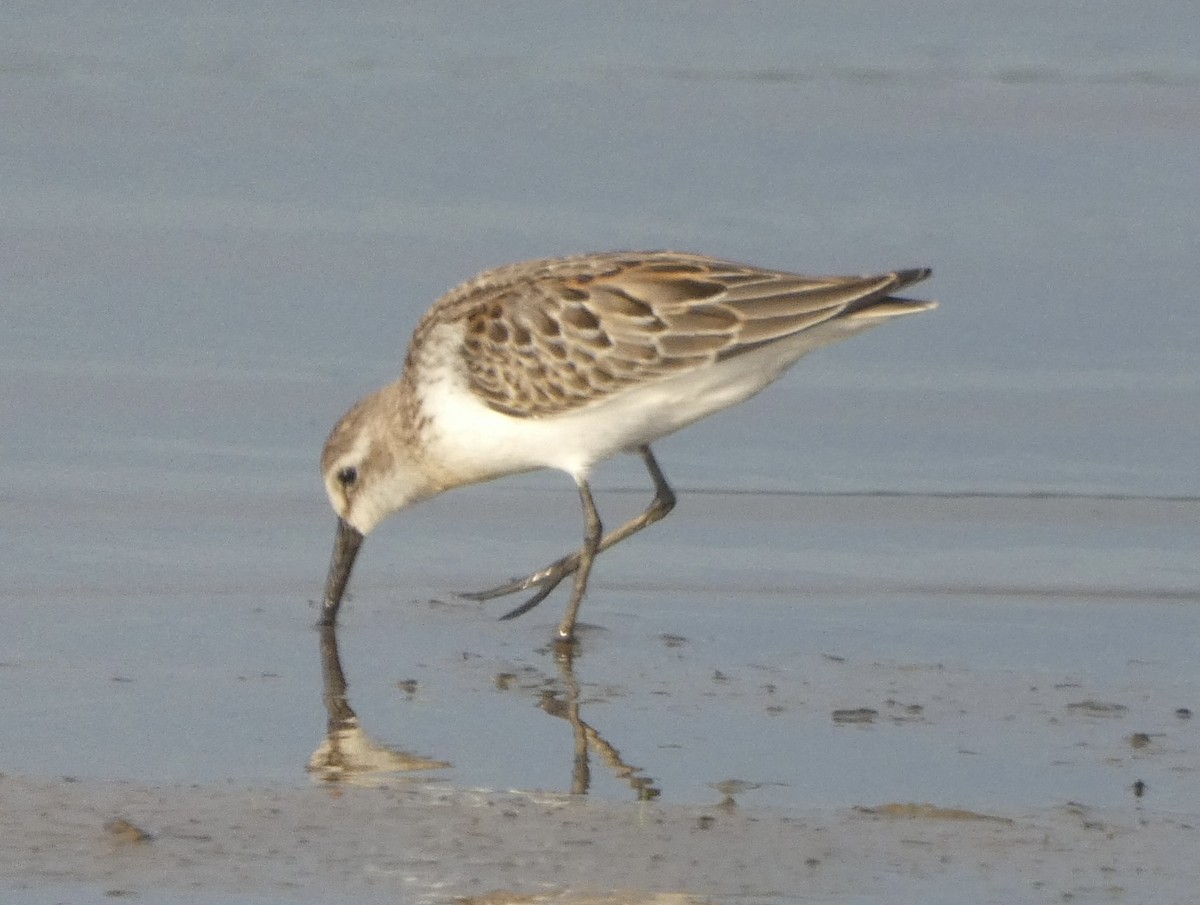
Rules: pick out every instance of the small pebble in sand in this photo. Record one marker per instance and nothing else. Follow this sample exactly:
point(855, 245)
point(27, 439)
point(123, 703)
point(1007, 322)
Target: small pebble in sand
point(123, 831)
point(408, 686)
point(1098, 708)
point(856, 715)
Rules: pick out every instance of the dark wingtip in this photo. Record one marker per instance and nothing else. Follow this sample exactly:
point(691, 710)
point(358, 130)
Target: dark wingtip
point(911, 275)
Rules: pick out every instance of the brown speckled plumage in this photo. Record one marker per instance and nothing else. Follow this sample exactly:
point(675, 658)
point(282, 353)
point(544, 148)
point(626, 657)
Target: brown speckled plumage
point(545, 337)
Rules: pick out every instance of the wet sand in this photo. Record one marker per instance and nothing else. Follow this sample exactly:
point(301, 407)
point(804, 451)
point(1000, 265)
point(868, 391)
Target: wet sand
point(418, 842)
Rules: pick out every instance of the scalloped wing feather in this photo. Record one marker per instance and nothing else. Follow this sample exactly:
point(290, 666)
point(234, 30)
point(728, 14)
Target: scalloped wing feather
point(547, 337)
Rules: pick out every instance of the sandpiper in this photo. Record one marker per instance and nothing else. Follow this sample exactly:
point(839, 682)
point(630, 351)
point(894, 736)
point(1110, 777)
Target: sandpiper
point(561, 363)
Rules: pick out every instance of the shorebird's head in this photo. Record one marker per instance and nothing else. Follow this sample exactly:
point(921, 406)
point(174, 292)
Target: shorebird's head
point(369, 473)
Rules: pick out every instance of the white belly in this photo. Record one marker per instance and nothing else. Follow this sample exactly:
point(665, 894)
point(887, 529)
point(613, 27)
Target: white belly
point(471, 442)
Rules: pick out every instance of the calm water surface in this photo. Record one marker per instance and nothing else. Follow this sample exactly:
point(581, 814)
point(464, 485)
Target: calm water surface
point(221, 224)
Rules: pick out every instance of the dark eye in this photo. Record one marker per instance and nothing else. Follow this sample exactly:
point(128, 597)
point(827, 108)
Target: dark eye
point(348, 476)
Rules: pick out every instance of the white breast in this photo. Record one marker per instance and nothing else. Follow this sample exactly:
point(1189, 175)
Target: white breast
point(472, 442)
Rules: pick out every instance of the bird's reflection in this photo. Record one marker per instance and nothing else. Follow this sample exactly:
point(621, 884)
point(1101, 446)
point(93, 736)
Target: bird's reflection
point(587, 739)
point(348, 754)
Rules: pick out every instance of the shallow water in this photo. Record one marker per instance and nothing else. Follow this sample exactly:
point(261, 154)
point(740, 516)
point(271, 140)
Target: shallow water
point(717, 648)
point(220, 226)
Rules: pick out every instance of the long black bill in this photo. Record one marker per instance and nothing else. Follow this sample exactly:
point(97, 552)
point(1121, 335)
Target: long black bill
point(345, 548)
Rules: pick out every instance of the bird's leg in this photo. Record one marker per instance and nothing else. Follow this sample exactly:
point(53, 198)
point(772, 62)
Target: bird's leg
point(593, 532)
point(547, 579)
